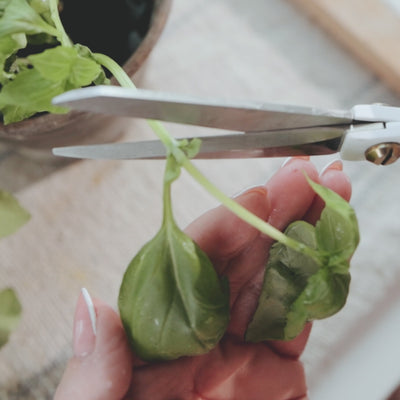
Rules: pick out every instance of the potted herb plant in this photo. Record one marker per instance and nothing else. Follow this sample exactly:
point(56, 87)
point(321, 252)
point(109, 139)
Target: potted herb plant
point(44, 50)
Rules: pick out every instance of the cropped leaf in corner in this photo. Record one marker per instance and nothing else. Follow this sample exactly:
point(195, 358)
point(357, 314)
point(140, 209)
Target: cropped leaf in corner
point(10, 314)
point(12, 215)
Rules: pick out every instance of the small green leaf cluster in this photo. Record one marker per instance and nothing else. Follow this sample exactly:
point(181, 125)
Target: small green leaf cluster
point(28, 83)
point(10, 314)
point(12, 217)
point(299, 288)
point(172, 302)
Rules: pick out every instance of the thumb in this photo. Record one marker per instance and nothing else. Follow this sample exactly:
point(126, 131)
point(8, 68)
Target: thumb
point(101, 367)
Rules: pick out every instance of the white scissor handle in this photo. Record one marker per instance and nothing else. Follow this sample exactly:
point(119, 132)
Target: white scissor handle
point(379, 143)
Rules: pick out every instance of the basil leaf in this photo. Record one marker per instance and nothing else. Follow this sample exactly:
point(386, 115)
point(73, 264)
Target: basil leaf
point(298, 288)
point(3, 5)
point(28, 94)
point(12, 215)
point(10, 314)
point(171, 301)
point(53, 72)
point(67, 65)
point(8, 46)
point(337, 230)
point(20, 17)
point(286, 277)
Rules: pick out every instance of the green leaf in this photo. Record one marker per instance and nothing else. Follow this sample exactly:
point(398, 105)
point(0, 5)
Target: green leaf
point(53, 72)
point(296, 287)
point(10, 314)
point(28, 94)
point(15, 113)
point(337, 230)
point(172, 302)
point(67, 65)
point(190, 147)
point(3, 5)
point(12, 215)
point(9, 45)
point(20, 17)
point(286, 277)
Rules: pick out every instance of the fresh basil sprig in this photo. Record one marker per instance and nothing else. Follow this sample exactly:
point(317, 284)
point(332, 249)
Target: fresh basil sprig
point(298, 288)
point(10, 314)
point(171, 301)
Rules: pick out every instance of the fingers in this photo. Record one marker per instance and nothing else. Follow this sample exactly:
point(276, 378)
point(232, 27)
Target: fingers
point(333, 178)
point(286, 197)
point(238, 371)
point(102, 362)
point(231, 371)
point(221, 234)
point(289, 193)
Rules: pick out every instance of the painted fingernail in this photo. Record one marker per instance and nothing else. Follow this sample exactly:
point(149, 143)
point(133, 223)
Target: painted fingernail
point(290, 159)
point(333, 165)
point(84, 325)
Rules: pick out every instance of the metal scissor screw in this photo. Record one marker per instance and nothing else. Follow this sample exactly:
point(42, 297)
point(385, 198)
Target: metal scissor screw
point(383, 153)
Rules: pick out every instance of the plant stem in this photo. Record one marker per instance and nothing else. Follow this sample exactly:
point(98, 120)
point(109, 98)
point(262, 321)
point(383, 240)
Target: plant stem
point(124, 80)
point(55, 15)
point(116, 70)
point(248, 216)
point(179, 155)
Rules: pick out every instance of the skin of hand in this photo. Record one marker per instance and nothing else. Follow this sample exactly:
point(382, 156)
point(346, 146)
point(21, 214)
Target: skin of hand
point(103, 366)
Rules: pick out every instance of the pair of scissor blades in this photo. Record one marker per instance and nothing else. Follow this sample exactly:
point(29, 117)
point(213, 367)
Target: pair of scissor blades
point(369, 132)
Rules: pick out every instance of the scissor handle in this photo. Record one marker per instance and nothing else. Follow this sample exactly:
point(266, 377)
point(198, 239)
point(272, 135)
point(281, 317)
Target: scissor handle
point(378, 143)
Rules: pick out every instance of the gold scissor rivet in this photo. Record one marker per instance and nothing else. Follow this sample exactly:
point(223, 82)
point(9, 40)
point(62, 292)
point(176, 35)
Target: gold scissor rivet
point(383, 153)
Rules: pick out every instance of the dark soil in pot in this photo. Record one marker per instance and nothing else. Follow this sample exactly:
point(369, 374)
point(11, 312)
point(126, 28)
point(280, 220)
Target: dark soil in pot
point(112, 27)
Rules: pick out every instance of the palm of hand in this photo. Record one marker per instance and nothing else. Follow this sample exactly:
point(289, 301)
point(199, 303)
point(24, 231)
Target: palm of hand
point(236, 370)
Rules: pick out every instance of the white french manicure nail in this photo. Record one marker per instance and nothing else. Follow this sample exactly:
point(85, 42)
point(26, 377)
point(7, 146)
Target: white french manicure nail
point(90, 307)
point(286, 161)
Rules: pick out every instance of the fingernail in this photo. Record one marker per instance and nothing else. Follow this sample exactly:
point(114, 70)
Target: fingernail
point(333, 165)
point(290, 159)
point(249, 191)
point(84, 325)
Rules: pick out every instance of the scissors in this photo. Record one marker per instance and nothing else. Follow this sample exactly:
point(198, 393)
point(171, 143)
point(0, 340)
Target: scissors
point(365, 132)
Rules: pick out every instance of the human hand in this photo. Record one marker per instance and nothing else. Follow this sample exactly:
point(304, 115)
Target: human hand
point(103, 366)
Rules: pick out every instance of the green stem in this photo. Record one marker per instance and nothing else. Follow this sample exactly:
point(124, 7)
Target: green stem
point(248, 216)
point(179, 155)
point(116, 70)
point(55, 15)
point(123, 79)
point(167, 202)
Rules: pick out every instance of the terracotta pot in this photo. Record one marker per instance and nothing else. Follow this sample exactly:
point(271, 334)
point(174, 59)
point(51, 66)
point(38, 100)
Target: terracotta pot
point(43, 132)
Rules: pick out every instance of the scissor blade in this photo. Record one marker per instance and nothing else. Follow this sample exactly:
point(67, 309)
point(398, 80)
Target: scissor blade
point(248, 117)
point(250, 145)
